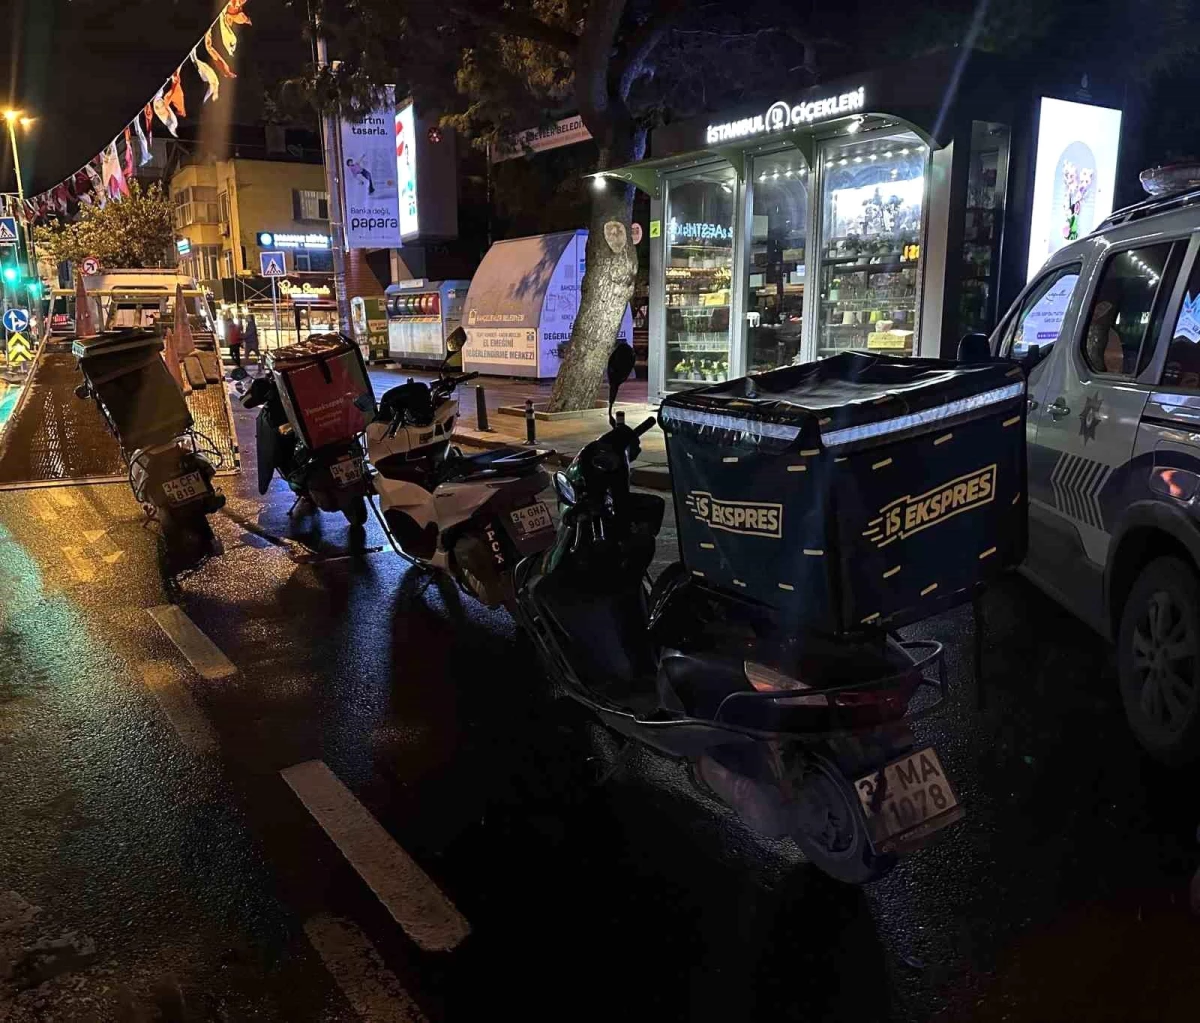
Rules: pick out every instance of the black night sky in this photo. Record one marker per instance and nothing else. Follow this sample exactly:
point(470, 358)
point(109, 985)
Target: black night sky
point(86, 67)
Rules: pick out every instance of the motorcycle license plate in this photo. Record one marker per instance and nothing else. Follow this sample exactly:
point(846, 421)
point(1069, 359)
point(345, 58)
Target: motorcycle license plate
point(533, 518)
point(917, 800)
point(184, 488)
point(347, 471)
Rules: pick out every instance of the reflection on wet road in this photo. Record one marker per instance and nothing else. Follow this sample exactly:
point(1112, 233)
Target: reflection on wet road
point(148, 809)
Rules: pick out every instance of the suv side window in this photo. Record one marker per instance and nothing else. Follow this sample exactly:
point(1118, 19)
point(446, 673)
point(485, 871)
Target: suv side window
point(1181, 371)
point(1039, 321)
point(1127, 310)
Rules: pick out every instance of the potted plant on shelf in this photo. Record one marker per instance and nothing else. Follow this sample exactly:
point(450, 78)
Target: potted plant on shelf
point(834, 285)
point(681, 368)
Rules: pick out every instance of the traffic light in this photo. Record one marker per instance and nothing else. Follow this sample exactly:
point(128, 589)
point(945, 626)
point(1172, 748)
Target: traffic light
point(35, 289)
point(11, 273)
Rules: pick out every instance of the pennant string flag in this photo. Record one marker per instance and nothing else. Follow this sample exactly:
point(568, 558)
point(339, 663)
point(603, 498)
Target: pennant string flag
point(228, 39)
point(215, 56)
point(174, 95)
point(90, 186)
point(210, 77)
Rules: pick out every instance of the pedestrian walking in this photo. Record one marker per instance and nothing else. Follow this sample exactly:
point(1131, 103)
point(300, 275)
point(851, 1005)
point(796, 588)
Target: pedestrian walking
point(250, 338)
point(233, 338)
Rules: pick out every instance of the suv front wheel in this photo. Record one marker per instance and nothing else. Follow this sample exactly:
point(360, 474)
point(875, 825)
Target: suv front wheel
point(1158, 660)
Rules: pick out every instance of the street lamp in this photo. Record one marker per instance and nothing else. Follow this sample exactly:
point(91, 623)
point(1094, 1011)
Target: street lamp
point(12, 118)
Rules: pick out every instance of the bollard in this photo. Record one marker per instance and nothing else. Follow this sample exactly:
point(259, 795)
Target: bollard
point(530, 428)
point(481, 422)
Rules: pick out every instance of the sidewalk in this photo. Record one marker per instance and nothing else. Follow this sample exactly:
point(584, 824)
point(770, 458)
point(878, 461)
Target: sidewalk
point(566, 436)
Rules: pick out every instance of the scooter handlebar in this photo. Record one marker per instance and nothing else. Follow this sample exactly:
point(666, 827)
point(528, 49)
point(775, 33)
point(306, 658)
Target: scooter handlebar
point(646, 424)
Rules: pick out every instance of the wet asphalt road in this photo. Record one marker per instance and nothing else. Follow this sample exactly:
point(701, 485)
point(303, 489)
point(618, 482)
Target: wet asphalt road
point(178, 856)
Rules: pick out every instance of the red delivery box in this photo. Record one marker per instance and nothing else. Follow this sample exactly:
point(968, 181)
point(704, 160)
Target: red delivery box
point(325, 389)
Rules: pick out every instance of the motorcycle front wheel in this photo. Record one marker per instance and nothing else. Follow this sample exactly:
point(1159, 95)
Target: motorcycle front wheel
point(831, 830)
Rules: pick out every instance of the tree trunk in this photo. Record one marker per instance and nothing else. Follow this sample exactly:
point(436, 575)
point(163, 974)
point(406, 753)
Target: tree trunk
point(605, 292)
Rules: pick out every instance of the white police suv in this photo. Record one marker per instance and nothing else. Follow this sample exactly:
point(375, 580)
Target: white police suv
point(1110, 329)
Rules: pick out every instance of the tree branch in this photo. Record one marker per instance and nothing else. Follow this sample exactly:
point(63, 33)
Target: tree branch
point(640, 44)
point(511, 23)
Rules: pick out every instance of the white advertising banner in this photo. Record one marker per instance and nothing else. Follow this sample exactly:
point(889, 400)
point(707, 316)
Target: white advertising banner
point(369, 179)
point(504, 351)
point(566, 132)
point(1075, 174)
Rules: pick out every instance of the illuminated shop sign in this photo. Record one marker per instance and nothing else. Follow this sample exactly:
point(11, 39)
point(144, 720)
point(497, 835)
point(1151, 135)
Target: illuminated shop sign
point(183, 246)
point(697, 231)
point(782, 115)
point(305, 292)
point(291, 240)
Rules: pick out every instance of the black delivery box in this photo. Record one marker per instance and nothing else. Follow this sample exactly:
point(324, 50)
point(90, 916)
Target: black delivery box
point(860, 491)
point(125, 370)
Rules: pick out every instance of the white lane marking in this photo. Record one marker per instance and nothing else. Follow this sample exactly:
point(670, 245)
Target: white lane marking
point(410, 895)
point(369, 986)
point(81, 568)
point(186, 718)
point(202, 653)
point(43, 509)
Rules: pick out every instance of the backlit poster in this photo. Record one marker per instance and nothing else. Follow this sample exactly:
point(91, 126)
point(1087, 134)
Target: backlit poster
point(1074, 177)
point(406, 170)
point(369, 179)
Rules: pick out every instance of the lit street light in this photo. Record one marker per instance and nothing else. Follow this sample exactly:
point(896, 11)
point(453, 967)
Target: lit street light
point(12, 118)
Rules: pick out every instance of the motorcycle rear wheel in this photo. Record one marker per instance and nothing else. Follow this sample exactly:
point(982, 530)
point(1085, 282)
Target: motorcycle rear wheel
point(184, 543)
point(831, 830)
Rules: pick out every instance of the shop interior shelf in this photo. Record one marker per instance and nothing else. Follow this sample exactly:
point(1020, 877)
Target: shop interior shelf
point(672, 381)
point(873, 268)
point(873, 301)
point(699, 305)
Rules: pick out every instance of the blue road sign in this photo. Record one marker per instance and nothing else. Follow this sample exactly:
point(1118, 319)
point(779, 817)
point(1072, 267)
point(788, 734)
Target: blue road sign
point(272, 264)
point(8, 230)
point(16, 319)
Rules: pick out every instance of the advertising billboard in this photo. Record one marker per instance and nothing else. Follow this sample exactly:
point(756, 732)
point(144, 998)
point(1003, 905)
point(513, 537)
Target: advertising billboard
point(1075, 174)
point(369, 179)
point(406, 170)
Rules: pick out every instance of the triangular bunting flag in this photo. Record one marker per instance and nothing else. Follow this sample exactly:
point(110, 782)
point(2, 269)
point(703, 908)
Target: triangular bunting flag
point(174, 95)
point(214, 55)
point(143, 144)
point(130, 168)
point(114, 180)
point(164, 113)
point(235, 14)
point(228, 39)
point(210, 78)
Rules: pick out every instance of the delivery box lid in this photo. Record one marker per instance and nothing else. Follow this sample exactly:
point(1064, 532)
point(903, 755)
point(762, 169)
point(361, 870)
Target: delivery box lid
point(854, 398)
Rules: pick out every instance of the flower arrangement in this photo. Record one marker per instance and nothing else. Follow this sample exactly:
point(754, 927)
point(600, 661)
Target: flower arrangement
point(1078, 182)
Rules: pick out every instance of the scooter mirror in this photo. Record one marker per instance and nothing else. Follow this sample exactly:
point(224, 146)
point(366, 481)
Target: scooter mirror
point(620, 365)
point(365, 403)
point(453, 362)
point(456, 339)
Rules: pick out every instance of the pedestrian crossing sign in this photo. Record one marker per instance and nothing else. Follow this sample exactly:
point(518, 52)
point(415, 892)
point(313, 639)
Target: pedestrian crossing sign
point(272, 264)
point(18, 350)
point(8, 230)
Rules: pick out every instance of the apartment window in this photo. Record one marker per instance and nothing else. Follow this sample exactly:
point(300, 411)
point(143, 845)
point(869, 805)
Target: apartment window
point(314, 260)
point(195, 205)
point(310, 205)
point(206, 262)
point(229, 262)
point(223, 208)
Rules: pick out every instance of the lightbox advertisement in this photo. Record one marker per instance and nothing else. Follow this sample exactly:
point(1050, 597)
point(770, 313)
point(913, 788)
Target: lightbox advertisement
point(406, 170)
point(369, 178)
point(1075, 174)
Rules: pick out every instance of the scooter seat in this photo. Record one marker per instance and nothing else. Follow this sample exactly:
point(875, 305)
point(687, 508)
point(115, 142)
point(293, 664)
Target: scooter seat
point(505, 461)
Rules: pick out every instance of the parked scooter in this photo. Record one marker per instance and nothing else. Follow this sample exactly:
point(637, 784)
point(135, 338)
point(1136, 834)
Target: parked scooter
point(330, 478)
point(471, 516)
point(170, 469)
point(821, 751)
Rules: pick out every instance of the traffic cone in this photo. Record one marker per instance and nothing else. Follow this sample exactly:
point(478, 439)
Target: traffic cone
point(85, 324)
